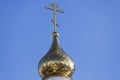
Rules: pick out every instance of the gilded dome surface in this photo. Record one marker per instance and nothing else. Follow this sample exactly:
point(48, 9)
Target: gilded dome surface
point(56, 62)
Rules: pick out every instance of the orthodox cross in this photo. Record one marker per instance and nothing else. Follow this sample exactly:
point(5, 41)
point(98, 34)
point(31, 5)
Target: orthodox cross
point(54, 10)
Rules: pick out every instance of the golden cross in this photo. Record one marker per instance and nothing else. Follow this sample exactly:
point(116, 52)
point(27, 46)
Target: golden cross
point(54, 10)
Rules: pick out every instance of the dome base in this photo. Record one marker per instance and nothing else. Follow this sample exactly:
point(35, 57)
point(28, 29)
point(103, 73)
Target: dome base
point(57, 78)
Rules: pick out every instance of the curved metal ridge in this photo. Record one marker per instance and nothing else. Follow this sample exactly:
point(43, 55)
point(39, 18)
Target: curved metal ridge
point(56, 62)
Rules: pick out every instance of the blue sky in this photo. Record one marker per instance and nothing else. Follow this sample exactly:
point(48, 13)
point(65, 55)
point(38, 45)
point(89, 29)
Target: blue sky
point(89, 32)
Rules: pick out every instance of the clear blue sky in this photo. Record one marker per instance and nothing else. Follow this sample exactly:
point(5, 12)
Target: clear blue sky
point(89, 33)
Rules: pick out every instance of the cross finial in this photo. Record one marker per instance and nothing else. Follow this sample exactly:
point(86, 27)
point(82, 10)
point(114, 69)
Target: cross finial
point(54, 10)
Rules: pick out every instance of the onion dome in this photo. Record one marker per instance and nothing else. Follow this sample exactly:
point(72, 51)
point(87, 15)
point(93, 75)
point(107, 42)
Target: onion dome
point(56, 62)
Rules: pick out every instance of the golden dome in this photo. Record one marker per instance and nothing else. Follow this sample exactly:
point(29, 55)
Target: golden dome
point(56, 62)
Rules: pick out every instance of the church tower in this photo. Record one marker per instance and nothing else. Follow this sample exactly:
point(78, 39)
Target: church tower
point(56, 64)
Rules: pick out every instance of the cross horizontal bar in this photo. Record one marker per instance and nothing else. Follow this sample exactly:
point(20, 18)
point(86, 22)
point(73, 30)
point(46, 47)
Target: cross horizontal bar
point(53, 9)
